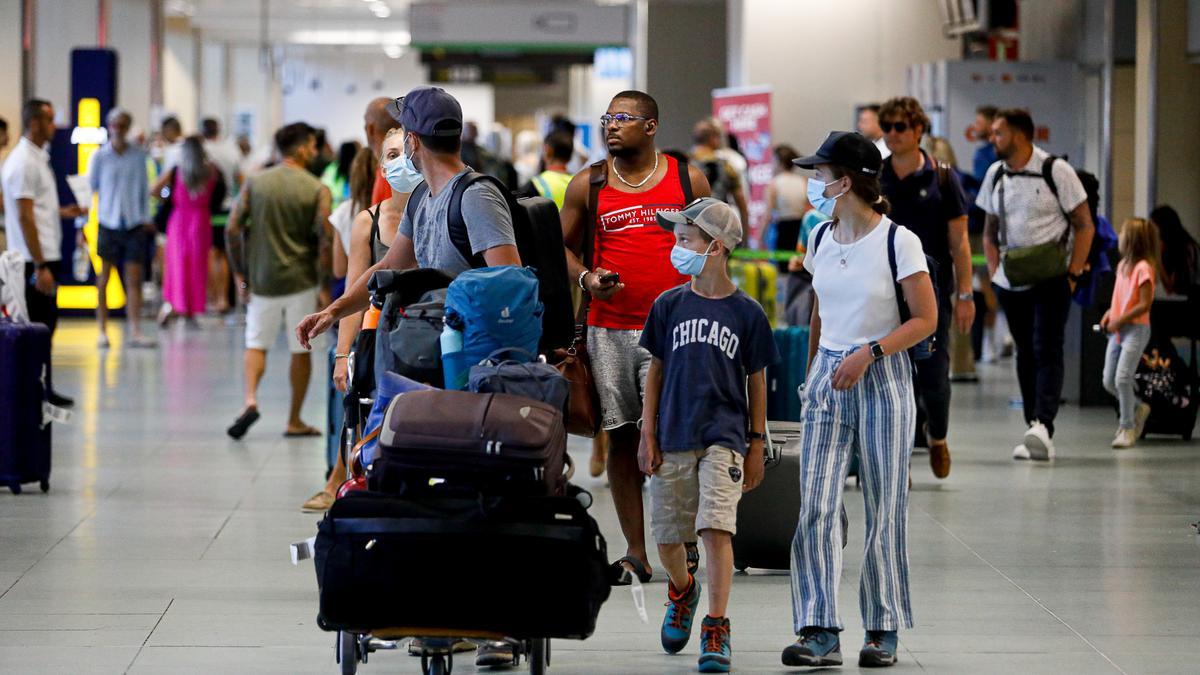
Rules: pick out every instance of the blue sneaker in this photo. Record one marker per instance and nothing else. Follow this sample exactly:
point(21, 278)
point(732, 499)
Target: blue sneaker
point(677, 623)
point(879, 649)
point(816, 646)
point(715, 651)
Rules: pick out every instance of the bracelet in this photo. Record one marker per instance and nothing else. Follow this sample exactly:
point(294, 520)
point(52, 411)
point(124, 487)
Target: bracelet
point(341, 356)
point(580, 279)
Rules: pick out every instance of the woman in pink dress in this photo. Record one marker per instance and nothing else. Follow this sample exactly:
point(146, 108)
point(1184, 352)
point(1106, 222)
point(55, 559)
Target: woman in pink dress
point(189, 233)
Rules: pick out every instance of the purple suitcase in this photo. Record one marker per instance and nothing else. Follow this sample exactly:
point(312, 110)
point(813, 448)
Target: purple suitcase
point(24, 439)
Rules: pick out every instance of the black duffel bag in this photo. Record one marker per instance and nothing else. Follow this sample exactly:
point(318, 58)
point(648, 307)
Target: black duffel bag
point(385, 562)
point(412, 305)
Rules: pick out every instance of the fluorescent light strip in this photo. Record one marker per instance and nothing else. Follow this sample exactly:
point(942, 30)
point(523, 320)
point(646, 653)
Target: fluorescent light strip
point(350, 37)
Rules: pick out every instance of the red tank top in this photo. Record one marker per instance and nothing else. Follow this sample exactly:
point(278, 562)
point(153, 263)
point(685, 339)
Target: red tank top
point(629, 241)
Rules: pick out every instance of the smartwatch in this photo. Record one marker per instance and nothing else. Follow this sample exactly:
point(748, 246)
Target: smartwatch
point(1074, 277)
point(966, 297)
point(876, 350)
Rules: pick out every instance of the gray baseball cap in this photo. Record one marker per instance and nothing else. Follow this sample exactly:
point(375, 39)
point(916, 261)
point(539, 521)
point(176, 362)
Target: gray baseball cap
point(428, 111)
point(714, 216)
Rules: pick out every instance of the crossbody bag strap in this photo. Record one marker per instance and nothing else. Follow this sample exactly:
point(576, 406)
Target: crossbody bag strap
point(685, 182)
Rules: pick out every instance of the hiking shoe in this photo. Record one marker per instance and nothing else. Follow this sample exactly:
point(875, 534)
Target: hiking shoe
point(816, 646)
point(1020, 452)
point(499, 653)
point(879, 649)
point(1037, 440)
point(1125, 438)
point(939, 458)
point(715, 650)
point(1140, 415)
point(677, 622)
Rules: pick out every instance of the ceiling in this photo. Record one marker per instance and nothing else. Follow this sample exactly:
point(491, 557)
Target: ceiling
point(312, 22)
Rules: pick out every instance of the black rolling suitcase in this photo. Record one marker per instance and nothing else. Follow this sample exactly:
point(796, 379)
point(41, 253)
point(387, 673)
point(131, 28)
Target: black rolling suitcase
point(520, 567)
point(24, 435)
point(767, 515)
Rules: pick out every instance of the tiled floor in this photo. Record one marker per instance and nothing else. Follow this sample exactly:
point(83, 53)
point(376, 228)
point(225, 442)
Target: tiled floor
point(162, 545)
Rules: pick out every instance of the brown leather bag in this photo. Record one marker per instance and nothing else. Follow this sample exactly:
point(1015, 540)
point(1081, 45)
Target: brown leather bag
point(583, 403)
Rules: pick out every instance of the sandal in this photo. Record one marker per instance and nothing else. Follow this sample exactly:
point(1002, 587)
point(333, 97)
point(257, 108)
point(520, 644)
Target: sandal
point(318, 502)
point(623, 576)
point(306, 431)
point(693, 557)
point(242, 424)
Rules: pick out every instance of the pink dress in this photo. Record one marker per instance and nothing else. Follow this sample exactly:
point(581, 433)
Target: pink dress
point(189, 238)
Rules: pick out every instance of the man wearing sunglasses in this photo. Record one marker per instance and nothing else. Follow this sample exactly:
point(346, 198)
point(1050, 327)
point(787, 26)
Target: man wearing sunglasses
point(628, 266)
point(928, 199)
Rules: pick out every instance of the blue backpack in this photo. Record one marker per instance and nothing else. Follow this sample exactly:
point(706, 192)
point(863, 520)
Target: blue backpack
point(494, 308)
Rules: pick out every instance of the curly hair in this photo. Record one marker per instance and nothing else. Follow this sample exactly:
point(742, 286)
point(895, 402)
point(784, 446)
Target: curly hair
point(908, 109)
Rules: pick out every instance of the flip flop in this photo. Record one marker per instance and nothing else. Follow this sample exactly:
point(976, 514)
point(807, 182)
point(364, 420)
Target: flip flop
point(621, 575)
point(242, 424)
point(310, 431)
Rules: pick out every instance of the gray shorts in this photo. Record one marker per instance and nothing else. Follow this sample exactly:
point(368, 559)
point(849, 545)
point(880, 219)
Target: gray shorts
point(695, 491)
point(619, 367)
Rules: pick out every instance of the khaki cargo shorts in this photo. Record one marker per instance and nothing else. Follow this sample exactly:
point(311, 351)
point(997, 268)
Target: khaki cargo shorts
point(695, 491)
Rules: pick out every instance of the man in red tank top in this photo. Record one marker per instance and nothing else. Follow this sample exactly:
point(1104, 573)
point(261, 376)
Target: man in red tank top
point(630, 268)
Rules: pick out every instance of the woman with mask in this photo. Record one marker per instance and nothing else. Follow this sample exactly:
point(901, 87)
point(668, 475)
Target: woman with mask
point(858, 398)
point(372, 228)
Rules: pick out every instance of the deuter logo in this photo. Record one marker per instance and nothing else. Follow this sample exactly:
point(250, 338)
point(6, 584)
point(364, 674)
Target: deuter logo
point(505, 316)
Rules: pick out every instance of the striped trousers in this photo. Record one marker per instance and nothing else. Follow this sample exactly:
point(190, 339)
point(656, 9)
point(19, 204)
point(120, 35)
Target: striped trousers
point(876, 418)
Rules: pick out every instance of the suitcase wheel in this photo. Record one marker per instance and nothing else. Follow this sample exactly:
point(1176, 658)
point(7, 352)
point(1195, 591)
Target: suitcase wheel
point(438, 664)
point(45, 485)
point(539, 657)
point(15, 488)
point(347, 652)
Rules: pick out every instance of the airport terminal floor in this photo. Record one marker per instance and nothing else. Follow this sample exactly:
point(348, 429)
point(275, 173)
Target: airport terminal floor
point(162, 546)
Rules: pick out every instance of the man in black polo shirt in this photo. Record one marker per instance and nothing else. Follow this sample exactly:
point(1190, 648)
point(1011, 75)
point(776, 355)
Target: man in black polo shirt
point(929, 200)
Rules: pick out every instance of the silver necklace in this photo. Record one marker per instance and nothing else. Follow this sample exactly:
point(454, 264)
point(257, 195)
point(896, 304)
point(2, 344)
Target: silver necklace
point(845, 251)
point(644, 180)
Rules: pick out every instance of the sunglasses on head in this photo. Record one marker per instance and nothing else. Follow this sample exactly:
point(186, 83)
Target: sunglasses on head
point(887, 127)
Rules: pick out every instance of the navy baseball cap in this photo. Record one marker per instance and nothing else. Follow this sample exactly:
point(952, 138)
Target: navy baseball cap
point(428, 111)
point(847, 149)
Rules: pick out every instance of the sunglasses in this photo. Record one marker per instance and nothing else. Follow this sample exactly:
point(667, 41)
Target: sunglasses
point(620, 118)
point(887, 127)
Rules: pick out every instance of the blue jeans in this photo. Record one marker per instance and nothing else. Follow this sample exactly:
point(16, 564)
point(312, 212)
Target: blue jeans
point(1120, 363)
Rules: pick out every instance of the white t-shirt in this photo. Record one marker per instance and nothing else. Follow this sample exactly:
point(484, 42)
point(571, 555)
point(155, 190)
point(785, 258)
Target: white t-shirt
point(342, 220)
point(27, 175)
point(884, 150)
point(1031, 213)
point(225, 157)
point(857, 303)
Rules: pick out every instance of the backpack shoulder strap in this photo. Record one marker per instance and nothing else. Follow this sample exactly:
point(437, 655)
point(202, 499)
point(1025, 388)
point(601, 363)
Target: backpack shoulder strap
point(414, 200)
point(1048, 174)
point(375, 226)
point(455, 224)
point(901, 305)
point(685, 182)
point(821, 229)
point(597, 179)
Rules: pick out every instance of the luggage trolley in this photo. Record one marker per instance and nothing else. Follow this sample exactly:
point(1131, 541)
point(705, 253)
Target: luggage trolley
point(437, 657)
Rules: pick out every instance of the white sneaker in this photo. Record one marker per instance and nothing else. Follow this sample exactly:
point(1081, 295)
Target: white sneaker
point(102, 341)
point(1037, 440)
point(1021, 452)
point(1125, 439)
point(1140, 415)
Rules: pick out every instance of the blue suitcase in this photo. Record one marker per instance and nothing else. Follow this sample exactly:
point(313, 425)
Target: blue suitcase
point(24, 438)
point(784, 378)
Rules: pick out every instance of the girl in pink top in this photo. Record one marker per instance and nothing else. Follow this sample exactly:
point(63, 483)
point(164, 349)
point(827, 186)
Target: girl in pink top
point(1127, 322)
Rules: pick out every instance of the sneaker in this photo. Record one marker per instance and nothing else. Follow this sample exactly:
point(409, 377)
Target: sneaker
point(879, 649)
point(716, 652)
point(416, 646)
point(102, 341)
point(1140, 415)
point(1020, 452)
point(493, 654)
point(1037, 440)
point(677, 622)
point(815, 647)
point(1125, 439)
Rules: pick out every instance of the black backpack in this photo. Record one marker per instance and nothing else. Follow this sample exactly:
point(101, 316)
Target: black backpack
point(538, 231)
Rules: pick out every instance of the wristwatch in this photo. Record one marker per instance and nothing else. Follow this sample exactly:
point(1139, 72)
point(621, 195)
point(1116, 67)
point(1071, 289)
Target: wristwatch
point(966, 297)
point(755, 436)
point(876, 350)
point(1074, 277)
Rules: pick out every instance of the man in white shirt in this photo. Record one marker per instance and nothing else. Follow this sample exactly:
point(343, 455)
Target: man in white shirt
point(868, 125)
point(32, 217)
point(1033, 199)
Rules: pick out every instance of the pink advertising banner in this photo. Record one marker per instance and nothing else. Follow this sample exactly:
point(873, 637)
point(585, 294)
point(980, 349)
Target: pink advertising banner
point(746, 114)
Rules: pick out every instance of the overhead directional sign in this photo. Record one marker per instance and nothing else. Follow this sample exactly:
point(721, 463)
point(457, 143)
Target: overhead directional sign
point(530, 26)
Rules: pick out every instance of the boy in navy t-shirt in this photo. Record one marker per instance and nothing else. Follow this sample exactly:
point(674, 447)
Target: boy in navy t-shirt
point(702, 440)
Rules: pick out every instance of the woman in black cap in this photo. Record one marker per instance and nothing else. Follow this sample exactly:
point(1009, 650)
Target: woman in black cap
point(858, 399)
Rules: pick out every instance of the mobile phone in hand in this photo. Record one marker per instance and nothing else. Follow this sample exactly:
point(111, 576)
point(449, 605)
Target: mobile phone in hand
point(610, 279)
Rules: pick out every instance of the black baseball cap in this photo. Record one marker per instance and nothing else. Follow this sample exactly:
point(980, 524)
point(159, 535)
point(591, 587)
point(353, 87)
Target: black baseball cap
point(847, 149)
point(428, 111)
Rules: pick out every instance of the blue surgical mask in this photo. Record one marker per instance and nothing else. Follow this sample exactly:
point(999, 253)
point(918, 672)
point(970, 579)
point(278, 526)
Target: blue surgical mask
point(401, 174)
point(816, 197)
point(687, 261)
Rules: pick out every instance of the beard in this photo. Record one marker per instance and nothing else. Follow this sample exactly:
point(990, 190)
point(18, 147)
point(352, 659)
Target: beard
point(1005, 153)
point(621, 151)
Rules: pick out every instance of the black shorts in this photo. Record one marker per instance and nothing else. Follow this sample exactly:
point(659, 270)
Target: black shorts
point(118, 247)
point(219, 238)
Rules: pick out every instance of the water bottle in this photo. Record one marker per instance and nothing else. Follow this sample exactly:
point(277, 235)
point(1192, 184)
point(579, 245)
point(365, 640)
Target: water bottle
point(453, 373)
point(81, 264)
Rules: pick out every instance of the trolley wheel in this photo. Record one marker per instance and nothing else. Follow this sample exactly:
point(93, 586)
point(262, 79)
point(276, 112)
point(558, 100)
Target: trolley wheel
point(15, 487)
point(45, 485)
point(438, 664)
point(539, 657)
point(347, 652)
